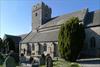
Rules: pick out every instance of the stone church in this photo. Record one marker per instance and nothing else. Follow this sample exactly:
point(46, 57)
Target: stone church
point(43, 38)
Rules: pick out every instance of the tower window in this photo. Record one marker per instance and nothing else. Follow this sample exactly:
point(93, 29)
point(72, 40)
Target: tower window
point(35, 14)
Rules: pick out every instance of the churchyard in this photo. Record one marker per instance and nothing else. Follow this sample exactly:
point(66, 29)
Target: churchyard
point(62, 63)
point(9, 61)
point(57, 63)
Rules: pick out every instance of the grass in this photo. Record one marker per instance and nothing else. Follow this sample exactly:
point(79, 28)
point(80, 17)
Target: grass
point(1, 66)
point(60, 63)
point(63, 63)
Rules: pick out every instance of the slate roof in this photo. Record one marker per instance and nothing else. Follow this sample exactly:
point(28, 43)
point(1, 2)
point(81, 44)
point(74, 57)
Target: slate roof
point(59, 20)
point(45, 36)
point(16, 39)
point(23, 36)
point(42, 37)
point(28, 37)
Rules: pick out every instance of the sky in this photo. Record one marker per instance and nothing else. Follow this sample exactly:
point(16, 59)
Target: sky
point(16, 15)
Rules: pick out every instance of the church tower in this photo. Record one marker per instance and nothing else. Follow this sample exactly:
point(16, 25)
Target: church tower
point(41, 13)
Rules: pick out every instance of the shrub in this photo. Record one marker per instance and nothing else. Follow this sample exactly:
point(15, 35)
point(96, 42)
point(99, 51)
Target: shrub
point(1, 59)
point(71, 39)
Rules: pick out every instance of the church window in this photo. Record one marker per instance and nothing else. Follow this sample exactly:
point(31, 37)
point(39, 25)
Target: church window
point(33, 47)
point(39, 47)
point(24, 50)
point(28, 49)
point(45, 47)
point(92, 42)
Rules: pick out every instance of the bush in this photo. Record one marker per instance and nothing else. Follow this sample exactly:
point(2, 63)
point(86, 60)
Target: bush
point(71, 39)
point(1, 59)
point(74, 65)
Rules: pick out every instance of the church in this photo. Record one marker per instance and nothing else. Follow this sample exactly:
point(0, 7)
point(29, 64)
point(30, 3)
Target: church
point(43, 38)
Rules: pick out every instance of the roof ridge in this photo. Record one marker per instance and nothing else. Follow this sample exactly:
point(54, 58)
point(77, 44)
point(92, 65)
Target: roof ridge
point(33, 35)
point(26, 36)
point(11, 35)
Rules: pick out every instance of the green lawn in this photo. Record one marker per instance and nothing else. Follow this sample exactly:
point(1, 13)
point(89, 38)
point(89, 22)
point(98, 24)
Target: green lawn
point(0, 65)
point(63, 63)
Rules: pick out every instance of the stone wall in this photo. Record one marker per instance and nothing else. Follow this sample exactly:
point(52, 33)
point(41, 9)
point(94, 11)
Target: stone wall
point(41, 48)
point(92, 47)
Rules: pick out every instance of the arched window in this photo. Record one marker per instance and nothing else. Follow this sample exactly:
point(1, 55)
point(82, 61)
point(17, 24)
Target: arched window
point(45, 47)
point(33, 46)
point(28, 49)
point(39, 48)
point(92, 42)
point(55, 49)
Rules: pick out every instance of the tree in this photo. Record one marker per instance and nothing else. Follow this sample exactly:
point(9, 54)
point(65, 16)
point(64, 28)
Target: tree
point(71, 39)
point(1, 44)
point(9, 44)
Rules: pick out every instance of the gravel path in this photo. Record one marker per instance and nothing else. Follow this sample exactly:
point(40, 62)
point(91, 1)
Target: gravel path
point(93, 62)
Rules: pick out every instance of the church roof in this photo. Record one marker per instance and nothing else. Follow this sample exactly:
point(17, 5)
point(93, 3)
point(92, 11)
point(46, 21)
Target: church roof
point(42, 36)
point(45, 36)
point(16, 39)
point(60, 19)
point(22, 36)
point(28, 37)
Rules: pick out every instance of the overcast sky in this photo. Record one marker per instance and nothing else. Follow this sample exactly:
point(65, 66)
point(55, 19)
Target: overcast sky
point(16, 15)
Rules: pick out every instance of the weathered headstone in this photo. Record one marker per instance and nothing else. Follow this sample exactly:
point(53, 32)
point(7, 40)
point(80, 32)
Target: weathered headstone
point(36, 62)
point(49, 62)
point(42, 59)
point(30, 60)
point(9, 62)
point(22, 59)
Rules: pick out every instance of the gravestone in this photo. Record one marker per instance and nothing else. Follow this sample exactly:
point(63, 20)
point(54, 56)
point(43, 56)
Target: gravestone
point(22, 58)
point(36, 62)
point(30, 60)
point(42, 59)
point(9, 62)
point(49, 62)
